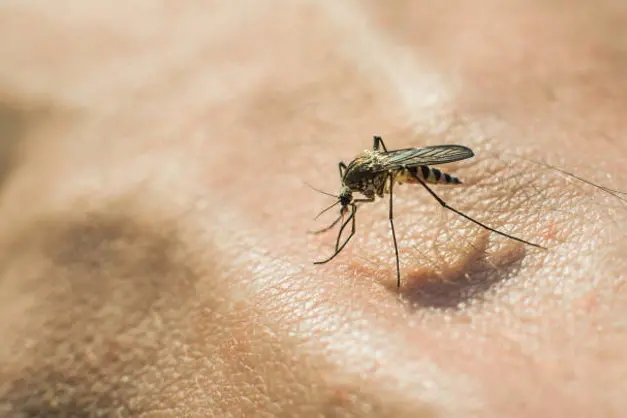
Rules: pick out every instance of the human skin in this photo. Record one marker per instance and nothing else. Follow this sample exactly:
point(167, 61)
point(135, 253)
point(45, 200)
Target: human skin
point(154, 213)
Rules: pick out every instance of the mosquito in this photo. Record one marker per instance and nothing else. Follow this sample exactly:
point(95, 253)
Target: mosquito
point(374, 173)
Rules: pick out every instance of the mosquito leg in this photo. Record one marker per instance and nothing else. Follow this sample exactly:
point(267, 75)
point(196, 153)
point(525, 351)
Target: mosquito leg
point(353, 215)
point(391, 217)
point(339, 234)
point(335, 222)
point(341, 217)
point(444, 204)
point(351, 218)
point(339, 250)
point(342, 168)
point(379, 141)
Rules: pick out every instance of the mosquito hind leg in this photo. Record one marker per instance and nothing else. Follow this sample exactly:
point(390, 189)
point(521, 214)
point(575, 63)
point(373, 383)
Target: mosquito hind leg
point(462, 214)
point(391, 217)
point(378, 141)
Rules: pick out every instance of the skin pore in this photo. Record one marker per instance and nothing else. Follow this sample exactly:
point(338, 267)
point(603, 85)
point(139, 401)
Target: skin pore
point(153, 210)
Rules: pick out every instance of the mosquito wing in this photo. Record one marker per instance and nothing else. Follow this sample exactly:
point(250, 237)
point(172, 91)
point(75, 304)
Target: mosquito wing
point(434, 155)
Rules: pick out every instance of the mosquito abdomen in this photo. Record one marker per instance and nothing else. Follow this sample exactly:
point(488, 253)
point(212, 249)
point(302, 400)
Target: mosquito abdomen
point(428, 175)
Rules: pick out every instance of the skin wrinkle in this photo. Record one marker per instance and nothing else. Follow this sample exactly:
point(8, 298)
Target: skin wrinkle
point(263, 331)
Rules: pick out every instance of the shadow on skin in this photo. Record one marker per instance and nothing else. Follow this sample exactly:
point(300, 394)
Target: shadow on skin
point(15, 124)
point(100, 278)
point(463, 282)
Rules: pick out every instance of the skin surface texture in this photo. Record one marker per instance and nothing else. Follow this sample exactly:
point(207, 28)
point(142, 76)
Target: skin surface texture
point(154, 255)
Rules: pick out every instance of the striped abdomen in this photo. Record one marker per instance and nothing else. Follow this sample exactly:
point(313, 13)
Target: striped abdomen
point(427, 174)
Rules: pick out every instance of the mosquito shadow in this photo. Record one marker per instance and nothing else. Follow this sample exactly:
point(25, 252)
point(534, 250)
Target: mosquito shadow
point(466, 281)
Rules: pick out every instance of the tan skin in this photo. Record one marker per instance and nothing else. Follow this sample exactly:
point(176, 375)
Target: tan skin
point(153, 212)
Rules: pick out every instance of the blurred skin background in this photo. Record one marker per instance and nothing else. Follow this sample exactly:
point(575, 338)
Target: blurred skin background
point(153, 209)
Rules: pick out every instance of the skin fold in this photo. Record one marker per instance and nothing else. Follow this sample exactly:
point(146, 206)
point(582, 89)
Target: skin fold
point(154, 211)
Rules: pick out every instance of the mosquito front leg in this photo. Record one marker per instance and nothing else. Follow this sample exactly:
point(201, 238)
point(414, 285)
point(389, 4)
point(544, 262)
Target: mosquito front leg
point(342, 168)
point(354, 205)
point(335, 222)
point(445, 205)
point(351, 218)
point(378, 141)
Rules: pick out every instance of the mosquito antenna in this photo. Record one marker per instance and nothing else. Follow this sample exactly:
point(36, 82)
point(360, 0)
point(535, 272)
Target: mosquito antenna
point(320, 191)
point(327, 209)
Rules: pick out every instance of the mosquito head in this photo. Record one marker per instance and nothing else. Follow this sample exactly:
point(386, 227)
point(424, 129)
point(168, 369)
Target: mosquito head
point(346, 197)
